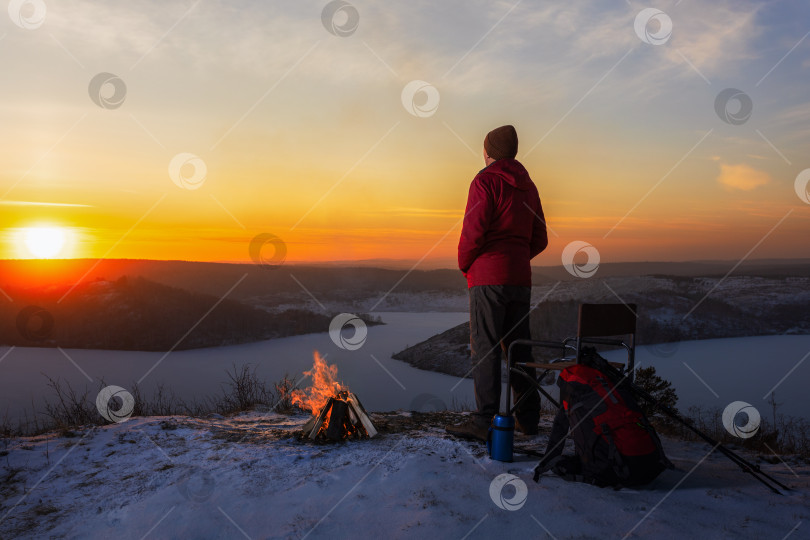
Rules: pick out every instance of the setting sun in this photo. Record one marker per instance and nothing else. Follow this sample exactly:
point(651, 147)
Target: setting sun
point(44, 242)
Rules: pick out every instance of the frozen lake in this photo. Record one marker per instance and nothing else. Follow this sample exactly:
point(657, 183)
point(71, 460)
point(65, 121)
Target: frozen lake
point(380, 382)
point(715, 372)
point(709, 372)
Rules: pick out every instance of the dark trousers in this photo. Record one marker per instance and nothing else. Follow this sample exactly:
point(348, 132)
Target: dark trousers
point(499, 314)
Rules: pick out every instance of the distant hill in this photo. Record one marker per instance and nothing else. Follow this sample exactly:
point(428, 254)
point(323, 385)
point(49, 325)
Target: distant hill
point(737, 306)
point(755, 267)
point(214, 278)
point(139, 314)
point(344, 288)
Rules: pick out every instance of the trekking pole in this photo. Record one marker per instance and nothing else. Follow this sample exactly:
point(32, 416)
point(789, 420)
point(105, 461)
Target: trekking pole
point(745, 465)
point(528, 451)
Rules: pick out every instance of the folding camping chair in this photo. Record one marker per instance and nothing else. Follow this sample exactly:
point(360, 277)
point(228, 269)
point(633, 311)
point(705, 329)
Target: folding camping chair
point(598, 324)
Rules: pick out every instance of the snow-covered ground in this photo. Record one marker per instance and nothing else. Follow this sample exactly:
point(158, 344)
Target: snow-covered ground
point(247, 477)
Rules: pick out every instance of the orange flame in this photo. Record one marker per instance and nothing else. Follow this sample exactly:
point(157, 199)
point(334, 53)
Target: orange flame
point(324, 386)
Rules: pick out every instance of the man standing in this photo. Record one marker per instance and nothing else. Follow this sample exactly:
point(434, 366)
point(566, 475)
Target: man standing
point(504, 228)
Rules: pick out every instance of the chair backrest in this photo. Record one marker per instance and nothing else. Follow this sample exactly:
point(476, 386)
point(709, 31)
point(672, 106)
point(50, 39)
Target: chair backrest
point(599, 320)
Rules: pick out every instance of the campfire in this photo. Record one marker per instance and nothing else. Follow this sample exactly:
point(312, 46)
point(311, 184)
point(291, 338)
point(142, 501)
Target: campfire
point(337, 414)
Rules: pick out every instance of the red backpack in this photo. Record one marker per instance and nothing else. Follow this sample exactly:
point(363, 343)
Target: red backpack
point(615, 443)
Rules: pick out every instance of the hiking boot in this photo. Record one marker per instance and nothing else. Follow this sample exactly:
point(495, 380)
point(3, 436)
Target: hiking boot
point(472, 428)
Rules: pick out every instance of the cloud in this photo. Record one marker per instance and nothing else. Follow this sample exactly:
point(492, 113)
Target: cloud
point(742, 176)
point(575, 43)
point(539, 54)
point(715, 36)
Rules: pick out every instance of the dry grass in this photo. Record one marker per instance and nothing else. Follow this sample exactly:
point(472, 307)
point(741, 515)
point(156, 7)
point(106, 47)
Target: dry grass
point(70, 408)
point(779, 436)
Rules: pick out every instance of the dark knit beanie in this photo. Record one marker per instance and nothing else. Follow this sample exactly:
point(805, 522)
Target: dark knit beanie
point(501, 143)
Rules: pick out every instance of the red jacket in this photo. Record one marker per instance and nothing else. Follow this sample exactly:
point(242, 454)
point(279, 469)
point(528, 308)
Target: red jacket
point(504, 227)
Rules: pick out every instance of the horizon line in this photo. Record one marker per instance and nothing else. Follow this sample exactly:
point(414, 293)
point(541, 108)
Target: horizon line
point(371, 262)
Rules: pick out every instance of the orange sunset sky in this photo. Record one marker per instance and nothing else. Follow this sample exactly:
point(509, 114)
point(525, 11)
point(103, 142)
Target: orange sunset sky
point(299, 125)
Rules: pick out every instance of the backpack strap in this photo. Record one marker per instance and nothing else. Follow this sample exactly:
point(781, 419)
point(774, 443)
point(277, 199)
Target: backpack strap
point(662, 457)
point(545, 465)
point(569, 468)
point(556, 442)
point(619, 466)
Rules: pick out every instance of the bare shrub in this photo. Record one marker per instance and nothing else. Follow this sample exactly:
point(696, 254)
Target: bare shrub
point(71, 408)
point(284, 389)
point(244, 391)
point(785, 435)
point(162, 402)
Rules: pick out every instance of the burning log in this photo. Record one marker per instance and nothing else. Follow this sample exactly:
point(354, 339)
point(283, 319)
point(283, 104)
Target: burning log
point(343, 417)
point(337, 413)
point(362, 416)
point(339, 423)
point(313, 427)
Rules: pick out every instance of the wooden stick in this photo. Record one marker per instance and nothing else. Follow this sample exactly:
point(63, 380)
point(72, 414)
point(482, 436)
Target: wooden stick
point(337, 420)
point(361, 414)
point(321, 417)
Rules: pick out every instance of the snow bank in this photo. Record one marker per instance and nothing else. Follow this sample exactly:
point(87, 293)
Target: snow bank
point(247, 476)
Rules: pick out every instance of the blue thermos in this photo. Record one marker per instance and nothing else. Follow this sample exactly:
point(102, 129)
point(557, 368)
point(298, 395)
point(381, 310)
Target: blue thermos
point(501, 437)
